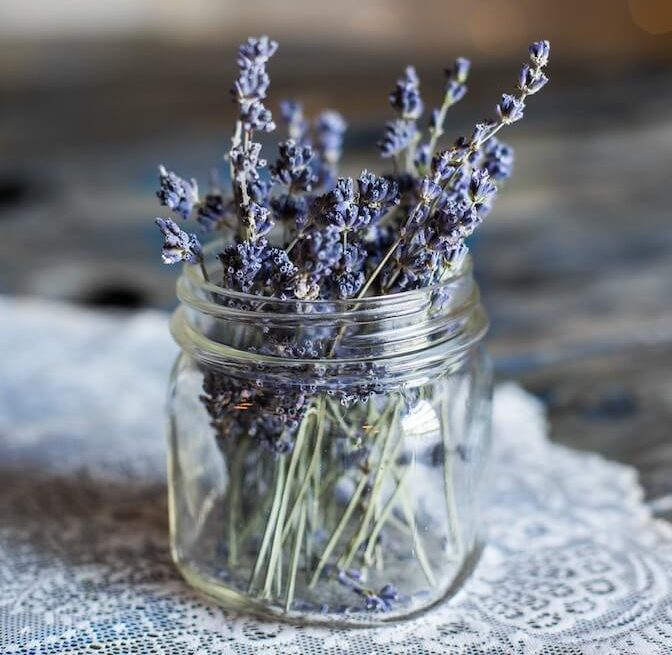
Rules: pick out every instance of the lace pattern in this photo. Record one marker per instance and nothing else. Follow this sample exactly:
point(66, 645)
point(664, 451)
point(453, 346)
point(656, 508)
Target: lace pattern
point(575, 565)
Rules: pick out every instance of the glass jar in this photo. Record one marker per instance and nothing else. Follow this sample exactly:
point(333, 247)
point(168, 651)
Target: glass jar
point(327, 457)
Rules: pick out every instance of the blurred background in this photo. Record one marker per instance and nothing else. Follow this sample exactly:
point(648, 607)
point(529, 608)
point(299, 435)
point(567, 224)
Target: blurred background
point(575, 263)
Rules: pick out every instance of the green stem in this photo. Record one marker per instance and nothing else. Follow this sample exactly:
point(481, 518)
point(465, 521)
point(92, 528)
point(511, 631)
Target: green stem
point(448, 475)
point(311, 468)
point(234, 500)
point(381, 470)
point(276, 548)
point(336, 534)
point(275, 506)
point(294, 564)
point(384, 514)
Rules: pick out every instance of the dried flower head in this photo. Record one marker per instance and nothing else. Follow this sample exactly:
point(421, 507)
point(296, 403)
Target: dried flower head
point(178, 246)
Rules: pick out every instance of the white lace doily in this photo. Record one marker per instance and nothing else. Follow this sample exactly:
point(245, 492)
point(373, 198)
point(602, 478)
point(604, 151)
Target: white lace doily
point(575, 564)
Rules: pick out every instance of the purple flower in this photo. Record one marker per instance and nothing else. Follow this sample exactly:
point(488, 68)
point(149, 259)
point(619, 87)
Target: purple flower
point(256, 51)
point(178, 246)
point(398, 135)
point(292, 115)
point(510, 108)
point(481, 188)
point(214, 211)
point(330, 128)
point(539, 53)
point(498, 159)
point(377, 195)
point(257, 221)
point(405, 97)
point(278, 274)
point(176, 193)
point(460, 70)
point(381, 601)
point(256, 118)
point(293, 166)
point(241, 263)
point(531, 80)
point(246, 161)
point(289, 208)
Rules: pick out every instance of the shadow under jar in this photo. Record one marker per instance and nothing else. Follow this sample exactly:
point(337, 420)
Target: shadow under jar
point(327, 457)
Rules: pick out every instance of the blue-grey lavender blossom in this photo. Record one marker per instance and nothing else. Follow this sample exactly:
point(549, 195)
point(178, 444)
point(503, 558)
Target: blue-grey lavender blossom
point(539, 53)
point(241, 263)
point(329, 131)
point(257, 221)
point(319, 253)
point(510, 108)
point(531, 80)
point(246, 161)
point(178, 246)
point(457, 77)
point(256, 51)
point(405, 98)
point(292, 115)
point(377, 195)
point(498, 159)
point(481, 188)
point(176, 193)
point(381, 601)
point(278, 274)
point(293, 166)
point(288, 209)
point(252, 84)
point(350, 276)
point(256, 118)
point(214, 212)
point(398, 135)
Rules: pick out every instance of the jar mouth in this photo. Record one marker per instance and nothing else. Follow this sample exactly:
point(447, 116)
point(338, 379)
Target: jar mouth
point(394, 337)
point(194, 277)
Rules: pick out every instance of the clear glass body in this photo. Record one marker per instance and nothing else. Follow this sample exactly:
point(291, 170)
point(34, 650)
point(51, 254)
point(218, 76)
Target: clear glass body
point(327, 459)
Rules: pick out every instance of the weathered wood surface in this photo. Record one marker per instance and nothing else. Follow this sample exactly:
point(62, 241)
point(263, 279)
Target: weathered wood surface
point(575, 263)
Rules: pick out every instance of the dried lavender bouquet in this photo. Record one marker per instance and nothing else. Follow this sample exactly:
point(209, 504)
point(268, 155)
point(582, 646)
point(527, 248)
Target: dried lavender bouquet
point(294, 231)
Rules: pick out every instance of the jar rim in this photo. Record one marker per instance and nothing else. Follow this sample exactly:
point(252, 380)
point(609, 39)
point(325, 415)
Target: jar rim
point(194, 276)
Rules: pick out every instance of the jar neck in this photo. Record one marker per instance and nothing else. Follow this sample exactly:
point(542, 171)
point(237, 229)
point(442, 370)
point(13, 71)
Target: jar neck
point(395, 337)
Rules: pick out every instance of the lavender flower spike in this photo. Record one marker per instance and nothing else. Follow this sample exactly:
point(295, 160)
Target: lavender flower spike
point(178, 246)
point(176, 193)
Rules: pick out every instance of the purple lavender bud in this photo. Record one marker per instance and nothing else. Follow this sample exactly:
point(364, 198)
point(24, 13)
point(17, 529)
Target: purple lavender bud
point(539, 53)
point(429, 191)
point(251, 86)
point(292, 115)
point(245, 162)
point(256, 51)
point(292, 167)
point(510, 109)
point(455, 257)
point(176, 193)
point(455, 92)
point(460, 70)
point(256, 118)
point(241, 263)
point(405, 97)
point(178, 246)
point(377, 194)
point(481, 131)
point(213, 211)
point(421, 159)
point(531, 80)
point(398, 136)
point(481, 188)
point(330, 128)
point(257, 221)
point(498, 159)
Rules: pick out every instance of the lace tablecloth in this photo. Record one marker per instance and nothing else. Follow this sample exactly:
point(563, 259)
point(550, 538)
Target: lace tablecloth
point(575, 563)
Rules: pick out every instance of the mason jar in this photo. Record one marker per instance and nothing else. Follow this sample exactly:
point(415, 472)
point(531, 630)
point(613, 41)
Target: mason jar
point(327, 458)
